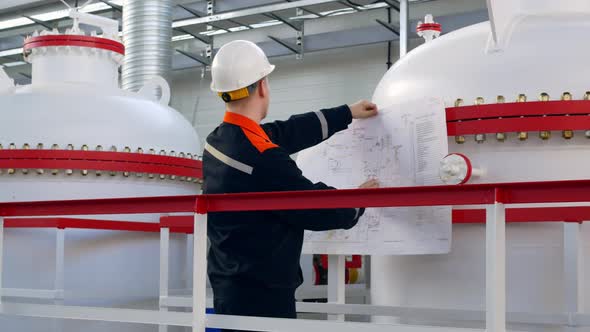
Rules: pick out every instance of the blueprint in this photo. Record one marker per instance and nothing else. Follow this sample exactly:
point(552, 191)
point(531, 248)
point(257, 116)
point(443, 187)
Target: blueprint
point(402, 146)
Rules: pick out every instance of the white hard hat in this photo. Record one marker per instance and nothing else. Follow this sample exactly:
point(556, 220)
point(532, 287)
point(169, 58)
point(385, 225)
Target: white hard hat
point(238, 64)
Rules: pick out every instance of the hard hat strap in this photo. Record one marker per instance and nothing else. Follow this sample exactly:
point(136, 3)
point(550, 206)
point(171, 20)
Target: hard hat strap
point(234, 95)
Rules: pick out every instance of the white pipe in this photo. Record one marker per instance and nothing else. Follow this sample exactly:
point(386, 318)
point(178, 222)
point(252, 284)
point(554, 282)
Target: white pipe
point(404, 13)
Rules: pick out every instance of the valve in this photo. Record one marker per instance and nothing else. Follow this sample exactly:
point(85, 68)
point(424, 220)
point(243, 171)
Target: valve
point(456, 168)
point(428, 29)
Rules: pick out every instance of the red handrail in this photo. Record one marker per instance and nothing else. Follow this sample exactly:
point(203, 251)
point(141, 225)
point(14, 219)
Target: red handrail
point(161, 204)
point(576, 214)
point(473, 194)
point(101, 224)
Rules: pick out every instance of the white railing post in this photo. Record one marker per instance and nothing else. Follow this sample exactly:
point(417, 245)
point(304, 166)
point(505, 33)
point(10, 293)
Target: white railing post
point(336, 282)
point(496, 268)
point(58, 285)
point(188, 273)
point(1, 256)
point(60, 239)
point(200, 273)
point(164, 257)
point(573, 271)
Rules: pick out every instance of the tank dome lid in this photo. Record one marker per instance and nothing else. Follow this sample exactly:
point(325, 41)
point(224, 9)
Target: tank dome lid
point(76, 56)
point(73, 40)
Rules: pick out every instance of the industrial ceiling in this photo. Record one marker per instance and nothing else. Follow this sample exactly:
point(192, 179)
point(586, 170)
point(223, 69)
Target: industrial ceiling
point(194, 27)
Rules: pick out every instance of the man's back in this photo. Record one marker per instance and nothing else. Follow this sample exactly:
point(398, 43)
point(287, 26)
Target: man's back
point(248, 249)
point(262, 248)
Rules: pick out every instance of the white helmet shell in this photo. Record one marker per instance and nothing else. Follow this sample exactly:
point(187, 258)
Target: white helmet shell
point(237, 65)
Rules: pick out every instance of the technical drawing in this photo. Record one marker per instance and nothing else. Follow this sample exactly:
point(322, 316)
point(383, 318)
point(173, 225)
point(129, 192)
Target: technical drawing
point(385, 148)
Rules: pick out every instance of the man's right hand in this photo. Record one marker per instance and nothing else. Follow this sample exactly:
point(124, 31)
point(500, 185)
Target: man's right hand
point(363, 109)
point(373, 183)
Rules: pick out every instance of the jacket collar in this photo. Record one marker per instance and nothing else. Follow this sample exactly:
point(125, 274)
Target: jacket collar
point(245, 123)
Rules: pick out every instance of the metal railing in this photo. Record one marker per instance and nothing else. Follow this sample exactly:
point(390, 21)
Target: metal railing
point(494, 196)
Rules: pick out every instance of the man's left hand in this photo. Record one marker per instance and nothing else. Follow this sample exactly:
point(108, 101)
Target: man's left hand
point(363, 109)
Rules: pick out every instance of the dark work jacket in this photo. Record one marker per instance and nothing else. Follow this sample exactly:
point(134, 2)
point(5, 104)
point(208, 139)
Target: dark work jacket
point(261, 249)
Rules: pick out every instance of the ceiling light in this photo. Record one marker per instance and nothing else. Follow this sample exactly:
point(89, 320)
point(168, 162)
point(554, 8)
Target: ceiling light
point(266, 24)
point(376, 5)
point(182, 37)
point(183, 23)
point(240, 28)
point(213, 32)
point(55, 15)
point(13, 51)
point(14, 64)
point(15, 22)
point(51, 15)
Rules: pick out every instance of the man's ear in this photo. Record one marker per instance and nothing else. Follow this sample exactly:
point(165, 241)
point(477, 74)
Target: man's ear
point(262, 88)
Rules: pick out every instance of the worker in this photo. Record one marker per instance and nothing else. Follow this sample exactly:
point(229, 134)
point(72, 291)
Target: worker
point(253, 260)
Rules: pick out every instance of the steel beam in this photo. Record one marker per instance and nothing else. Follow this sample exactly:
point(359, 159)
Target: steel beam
point(393, 4)
point(224, 16)
point(308, 10)
point(291, 47)
point(200, 14)
point(112, 5)
point(201, 59)
point(203, 38)
point(350, 5)
point(194, 12)
point(197, 14)
point(350, 37)
point(389, 27)
point(296, 25)
point(41, 23)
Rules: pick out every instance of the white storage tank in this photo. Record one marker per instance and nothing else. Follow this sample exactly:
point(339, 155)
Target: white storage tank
point(74, 104)
point(541, 54)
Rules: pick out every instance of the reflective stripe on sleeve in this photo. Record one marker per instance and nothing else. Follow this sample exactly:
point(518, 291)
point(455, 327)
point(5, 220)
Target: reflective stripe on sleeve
point(323, 123)
point(229, 161)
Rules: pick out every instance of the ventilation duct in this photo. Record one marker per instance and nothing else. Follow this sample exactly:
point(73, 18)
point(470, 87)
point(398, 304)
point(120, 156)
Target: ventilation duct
point(147, 34)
